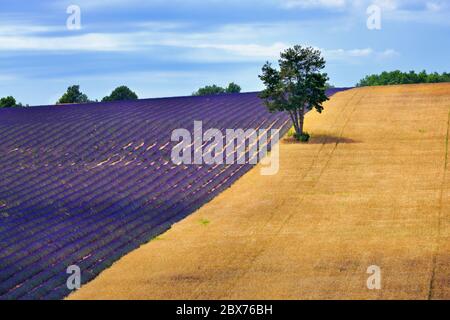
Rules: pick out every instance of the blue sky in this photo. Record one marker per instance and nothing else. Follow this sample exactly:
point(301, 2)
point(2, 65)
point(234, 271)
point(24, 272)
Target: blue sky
point(168, 48)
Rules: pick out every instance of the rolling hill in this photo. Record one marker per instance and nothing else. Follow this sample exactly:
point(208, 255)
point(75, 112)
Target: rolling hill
point(372, 188)
point(85, 184)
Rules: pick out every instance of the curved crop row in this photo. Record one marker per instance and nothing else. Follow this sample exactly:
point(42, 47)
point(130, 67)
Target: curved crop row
point(85, 184)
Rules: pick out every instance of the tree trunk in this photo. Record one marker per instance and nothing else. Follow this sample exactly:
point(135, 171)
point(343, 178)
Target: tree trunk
point(298, 119)
point(299, 116)
point(301, 119)
point(294, 120)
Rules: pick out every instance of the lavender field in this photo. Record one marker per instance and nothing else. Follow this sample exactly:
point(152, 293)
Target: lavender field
point(85, 184)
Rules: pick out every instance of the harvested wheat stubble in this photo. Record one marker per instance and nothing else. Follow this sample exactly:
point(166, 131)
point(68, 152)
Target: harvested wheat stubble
point(86, 184)
point(371, 189)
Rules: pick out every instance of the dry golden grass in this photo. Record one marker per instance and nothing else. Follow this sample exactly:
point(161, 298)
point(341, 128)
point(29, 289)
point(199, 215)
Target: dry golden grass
point(371, 189)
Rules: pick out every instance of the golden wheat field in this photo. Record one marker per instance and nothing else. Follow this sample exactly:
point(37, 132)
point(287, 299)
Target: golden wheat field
point(371, 188)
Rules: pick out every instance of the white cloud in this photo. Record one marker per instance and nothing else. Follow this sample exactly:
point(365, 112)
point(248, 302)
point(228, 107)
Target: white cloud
point(248, 50)
point(85, 42)
point(314, 3)
point(365, 53)
point(428, 11)
point(229, 43)
point(16, 28)
point(7, 77)
point(100, 4)
point(436, 6)
point(388, 53)
point(387, 4)
point(360, 52)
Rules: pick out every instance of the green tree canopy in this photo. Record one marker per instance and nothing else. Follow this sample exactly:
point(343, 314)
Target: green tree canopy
point(73, 95)
point(298, 86)
point(399, 77)
point(214, 89)
point(121, 93)
point(233, 88)
point(8, 102)
point(208, 90)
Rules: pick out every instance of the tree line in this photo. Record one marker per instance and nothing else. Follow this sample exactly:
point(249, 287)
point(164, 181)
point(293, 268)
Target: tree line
point(399, 77)
point(75, 95)
point(214, 89)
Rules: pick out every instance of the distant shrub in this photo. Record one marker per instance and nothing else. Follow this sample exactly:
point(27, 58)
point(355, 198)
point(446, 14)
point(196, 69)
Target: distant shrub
point(121, 93)
point(214, 89)
point(291, 132)
point(9, 102)
point(233, 88)
point(303, 137)
point(398, 77)
point(73, 95)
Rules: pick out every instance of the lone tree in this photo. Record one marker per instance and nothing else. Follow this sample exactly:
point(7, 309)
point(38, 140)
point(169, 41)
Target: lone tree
point(297, 87)
point(121, 93)
point(73, 95)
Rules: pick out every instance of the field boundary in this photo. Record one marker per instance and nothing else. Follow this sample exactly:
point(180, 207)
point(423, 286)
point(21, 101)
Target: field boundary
point(441, 197)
